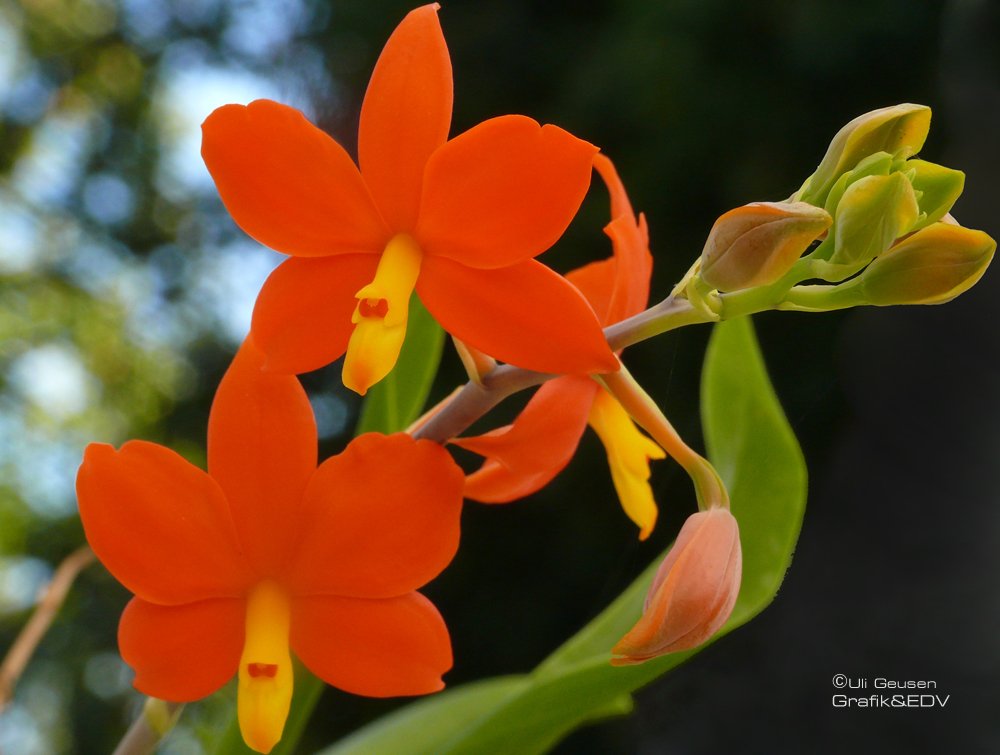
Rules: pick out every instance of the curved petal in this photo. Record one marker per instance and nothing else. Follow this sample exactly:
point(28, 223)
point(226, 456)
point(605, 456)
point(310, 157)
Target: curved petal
point(159, 524)
point(618, 287)
point(524, 457)
point(633, 270)
point(288, 184)
point(524, 314)
point(182, 653)
point(620, 204)
point(378, 648)
point(381, 519)
point(302, 320)
point(262, 452)
point(406, 115)
point(503, 192)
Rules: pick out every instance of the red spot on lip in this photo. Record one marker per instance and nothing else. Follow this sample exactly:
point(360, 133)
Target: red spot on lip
point(373, 307)
point(268, 670)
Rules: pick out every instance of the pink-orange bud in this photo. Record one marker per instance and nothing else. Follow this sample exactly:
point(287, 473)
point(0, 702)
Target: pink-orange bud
point(693, 593)
point(758, 243)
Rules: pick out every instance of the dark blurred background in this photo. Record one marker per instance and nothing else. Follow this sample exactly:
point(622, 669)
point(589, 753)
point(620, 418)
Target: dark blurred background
point(125, 288)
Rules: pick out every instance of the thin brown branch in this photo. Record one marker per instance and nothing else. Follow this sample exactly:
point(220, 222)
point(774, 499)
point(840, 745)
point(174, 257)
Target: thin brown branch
point(49, 603)
point(475, 399)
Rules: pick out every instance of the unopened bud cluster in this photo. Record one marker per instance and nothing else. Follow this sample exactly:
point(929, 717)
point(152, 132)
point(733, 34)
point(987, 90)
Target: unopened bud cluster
point(870, 207)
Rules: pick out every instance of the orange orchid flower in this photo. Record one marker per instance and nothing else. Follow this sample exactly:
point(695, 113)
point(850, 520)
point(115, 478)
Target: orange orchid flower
point(268, 554)
point(458, 221)
point(523, 457)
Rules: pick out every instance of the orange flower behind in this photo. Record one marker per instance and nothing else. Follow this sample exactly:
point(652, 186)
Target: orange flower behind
point(269, 555)
point(525, 456)
point(457, 221)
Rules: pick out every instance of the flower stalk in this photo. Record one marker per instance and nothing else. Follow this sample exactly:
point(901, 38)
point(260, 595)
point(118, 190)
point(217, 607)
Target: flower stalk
point(148, 730)
point(708, 485)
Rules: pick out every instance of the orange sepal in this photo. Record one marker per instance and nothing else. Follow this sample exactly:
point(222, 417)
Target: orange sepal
point(159, 524)
point(380, 519)
point(302, 320)
point(634, 268)
point(377, 648)
point(523, 314)
point(262, 452)
point(502, 192)
point(182, 653)
point(406, 115)
point(596, 281)
point(633, 263)
point(522, 458)
point(287, 183)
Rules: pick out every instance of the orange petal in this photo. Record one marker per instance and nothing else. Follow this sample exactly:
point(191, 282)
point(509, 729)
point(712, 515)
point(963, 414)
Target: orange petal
point(619, 287)
point(381, 519)
point(262, 452)
point(302, 320)
point(596, 281)
point(182, 653)
point(620, 204)
point(288, 184)
point(634, 268)
point(502, 192)
point(524, 457)
point(159, 524)
point(524, 314)
point(378, 648)
point(406, 115)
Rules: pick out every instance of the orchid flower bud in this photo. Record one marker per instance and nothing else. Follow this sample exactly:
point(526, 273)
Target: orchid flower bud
point(871, 215)
point(937, 189)
point(879, 164)
point(932, 266)
point(899, 130)
point(693, 592)
point(758, 243)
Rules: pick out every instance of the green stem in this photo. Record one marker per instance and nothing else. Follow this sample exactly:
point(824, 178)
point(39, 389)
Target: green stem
point(641, 407)
point(157, 719)
point(825, 298)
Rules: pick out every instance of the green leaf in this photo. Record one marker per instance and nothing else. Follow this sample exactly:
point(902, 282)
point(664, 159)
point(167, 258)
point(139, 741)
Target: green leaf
point(420, 724)
point(757, 455)
point(753, 447)
point(390, 406)
point(396, 401)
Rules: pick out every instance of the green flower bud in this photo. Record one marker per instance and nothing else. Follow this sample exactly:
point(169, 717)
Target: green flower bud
point(879, 164)
point(871, 215)
point(899, 130)
point(937, 189)
point(931, 266)
point(758, 243)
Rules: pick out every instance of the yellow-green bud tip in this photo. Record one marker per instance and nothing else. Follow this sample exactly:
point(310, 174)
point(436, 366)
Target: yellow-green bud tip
point(932, 266)
point(899, 130)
